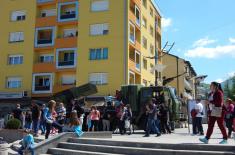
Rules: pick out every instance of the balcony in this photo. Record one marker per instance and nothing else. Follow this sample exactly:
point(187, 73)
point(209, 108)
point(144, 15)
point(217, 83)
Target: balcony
point(66, 42)
point(67, 11)
point(134, 20)
point(66, 58)
point(44, 67)
point(42, 83)
point(134, 66)
point(44, 36)
point(137, 2)
point(46, 21)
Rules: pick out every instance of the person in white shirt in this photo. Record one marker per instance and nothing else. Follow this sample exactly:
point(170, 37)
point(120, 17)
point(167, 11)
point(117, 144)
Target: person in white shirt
point(198, 119)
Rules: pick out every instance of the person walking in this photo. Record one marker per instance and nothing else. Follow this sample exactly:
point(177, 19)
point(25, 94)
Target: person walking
point(164, 119)
point(105, 119)
point(216, 113)
point(95, 117)
point(151, 112)
point(229, 116)
point(198, 118)
point(17, 113)
point(42, 125)
point(50, 121)
point(36, 115)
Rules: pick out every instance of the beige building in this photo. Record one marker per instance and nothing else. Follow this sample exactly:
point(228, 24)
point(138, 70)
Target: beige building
point(182, 73)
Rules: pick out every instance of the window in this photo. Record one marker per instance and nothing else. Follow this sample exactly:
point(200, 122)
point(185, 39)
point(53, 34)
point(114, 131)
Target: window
point(137, 15)
point(16, 36)
point(99, 29)
point(46, 58)
point(67, 11)
point(144, 22)
point(18, 15)
point(48, 13)
point(15, 59)
point(44, 36)
point(99, 5)
point(145, 64)
point(151, 30)
point(70, 33)
point(132, 33)
point(42, 83)
point(98, 78)
point(151, 12)
point(137, 60)
point(66, 58)
point(145, 42)
point(131, 77)
point(68, 79)
point(99, 54)
point(144, 3)
point(14, 82)
point(151, 49)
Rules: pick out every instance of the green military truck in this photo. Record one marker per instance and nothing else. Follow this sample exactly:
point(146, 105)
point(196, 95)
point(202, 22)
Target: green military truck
point(137, 96)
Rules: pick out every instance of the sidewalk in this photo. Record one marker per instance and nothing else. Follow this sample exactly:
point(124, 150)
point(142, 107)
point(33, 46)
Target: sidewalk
point(181, 136)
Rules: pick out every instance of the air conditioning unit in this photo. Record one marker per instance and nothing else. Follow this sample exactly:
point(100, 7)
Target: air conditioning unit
point(25, 94)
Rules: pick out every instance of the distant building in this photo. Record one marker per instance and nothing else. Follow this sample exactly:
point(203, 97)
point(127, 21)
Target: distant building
point(184, 83)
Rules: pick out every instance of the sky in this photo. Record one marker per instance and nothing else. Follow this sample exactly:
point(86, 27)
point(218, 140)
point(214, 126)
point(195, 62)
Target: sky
point(204, 34)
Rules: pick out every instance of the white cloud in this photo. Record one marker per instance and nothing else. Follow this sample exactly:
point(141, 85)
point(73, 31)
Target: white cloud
point(232, 40)
point(166, 22)
point(211, 52)
point(219, 80)
point(203, 42)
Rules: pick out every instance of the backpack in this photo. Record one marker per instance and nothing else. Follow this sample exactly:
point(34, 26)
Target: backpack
point(193, 113)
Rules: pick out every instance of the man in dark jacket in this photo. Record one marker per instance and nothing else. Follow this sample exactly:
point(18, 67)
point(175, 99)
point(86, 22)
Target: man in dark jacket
point(36, 115)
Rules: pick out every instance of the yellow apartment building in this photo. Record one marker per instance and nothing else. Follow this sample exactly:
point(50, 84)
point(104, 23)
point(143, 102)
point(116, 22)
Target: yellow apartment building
point(47, 46)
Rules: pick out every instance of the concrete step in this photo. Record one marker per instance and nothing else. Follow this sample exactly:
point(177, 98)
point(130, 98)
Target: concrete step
point(135, 150)
point(198, 147)
point(61, 151)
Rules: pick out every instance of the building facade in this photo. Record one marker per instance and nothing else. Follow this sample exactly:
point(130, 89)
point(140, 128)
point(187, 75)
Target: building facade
point(183, 74)
point(47, 46)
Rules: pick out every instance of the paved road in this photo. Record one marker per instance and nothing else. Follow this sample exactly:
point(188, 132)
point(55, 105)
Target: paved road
point(180, 136)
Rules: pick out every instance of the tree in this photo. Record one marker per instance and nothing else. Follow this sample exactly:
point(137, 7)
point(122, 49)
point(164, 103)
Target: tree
point(227, 90)
point(232, 95)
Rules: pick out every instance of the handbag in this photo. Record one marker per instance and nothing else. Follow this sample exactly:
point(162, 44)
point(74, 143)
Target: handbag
point(216, 111)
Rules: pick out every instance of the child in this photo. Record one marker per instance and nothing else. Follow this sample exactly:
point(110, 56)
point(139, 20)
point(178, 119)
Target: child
point(74, 125)
point(27, 143)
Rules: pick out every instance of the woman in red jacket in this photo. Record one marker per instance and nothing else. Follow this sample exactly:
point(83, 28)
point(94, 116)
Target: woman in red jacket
point(216, 102)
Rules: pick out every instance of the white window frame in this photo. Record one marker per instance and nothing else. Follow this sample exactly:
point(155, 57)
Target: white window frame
point(36, 37)
point(103, 27)
point(73, 9)
point(99, 9)
point(100, 77)
point(21, 14)
point(144, 22)
point(137, 53)
point(44, 56)
point(51, 83)
point(131, 25)
point(14, 79)
point(16, 37)
point(136, 21)
point(14, 57)
point(130, 72)
point(62, 50)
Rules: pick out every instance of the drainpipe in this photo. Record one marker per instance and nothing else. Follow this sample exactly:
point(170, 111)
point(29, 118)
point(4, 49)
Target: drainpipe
point(177, 70)
point(125, 39)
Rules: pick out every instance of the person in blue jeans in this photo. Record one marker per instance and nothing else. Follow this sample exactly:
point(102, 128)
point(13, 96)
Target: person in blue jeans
point(151, 125)
point(42, 124)
point(50, 122)
point(27, 143)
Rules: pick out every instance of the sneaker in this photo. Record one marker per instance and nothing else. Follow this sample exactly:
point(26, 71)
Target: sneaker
point(146, 136)
point(204, 140)
point(223, 142)
point(158, 135)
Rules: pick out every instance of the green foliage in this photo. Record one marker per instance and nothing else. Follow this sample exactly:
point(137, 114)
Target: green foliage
point(13, 124)
point(230, 90)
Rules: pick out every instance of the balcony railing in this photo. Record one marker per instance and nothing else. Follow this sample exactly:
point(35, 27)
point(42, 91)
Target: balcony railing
point(68, 16)
point(44, 1)
point(44, 41)
point(66, 63)
point(42, 88)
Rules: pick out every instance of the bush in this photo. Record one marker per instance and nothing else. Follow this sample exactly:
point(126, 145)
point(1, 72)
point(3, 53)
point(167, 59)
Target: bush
point(13, 124)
